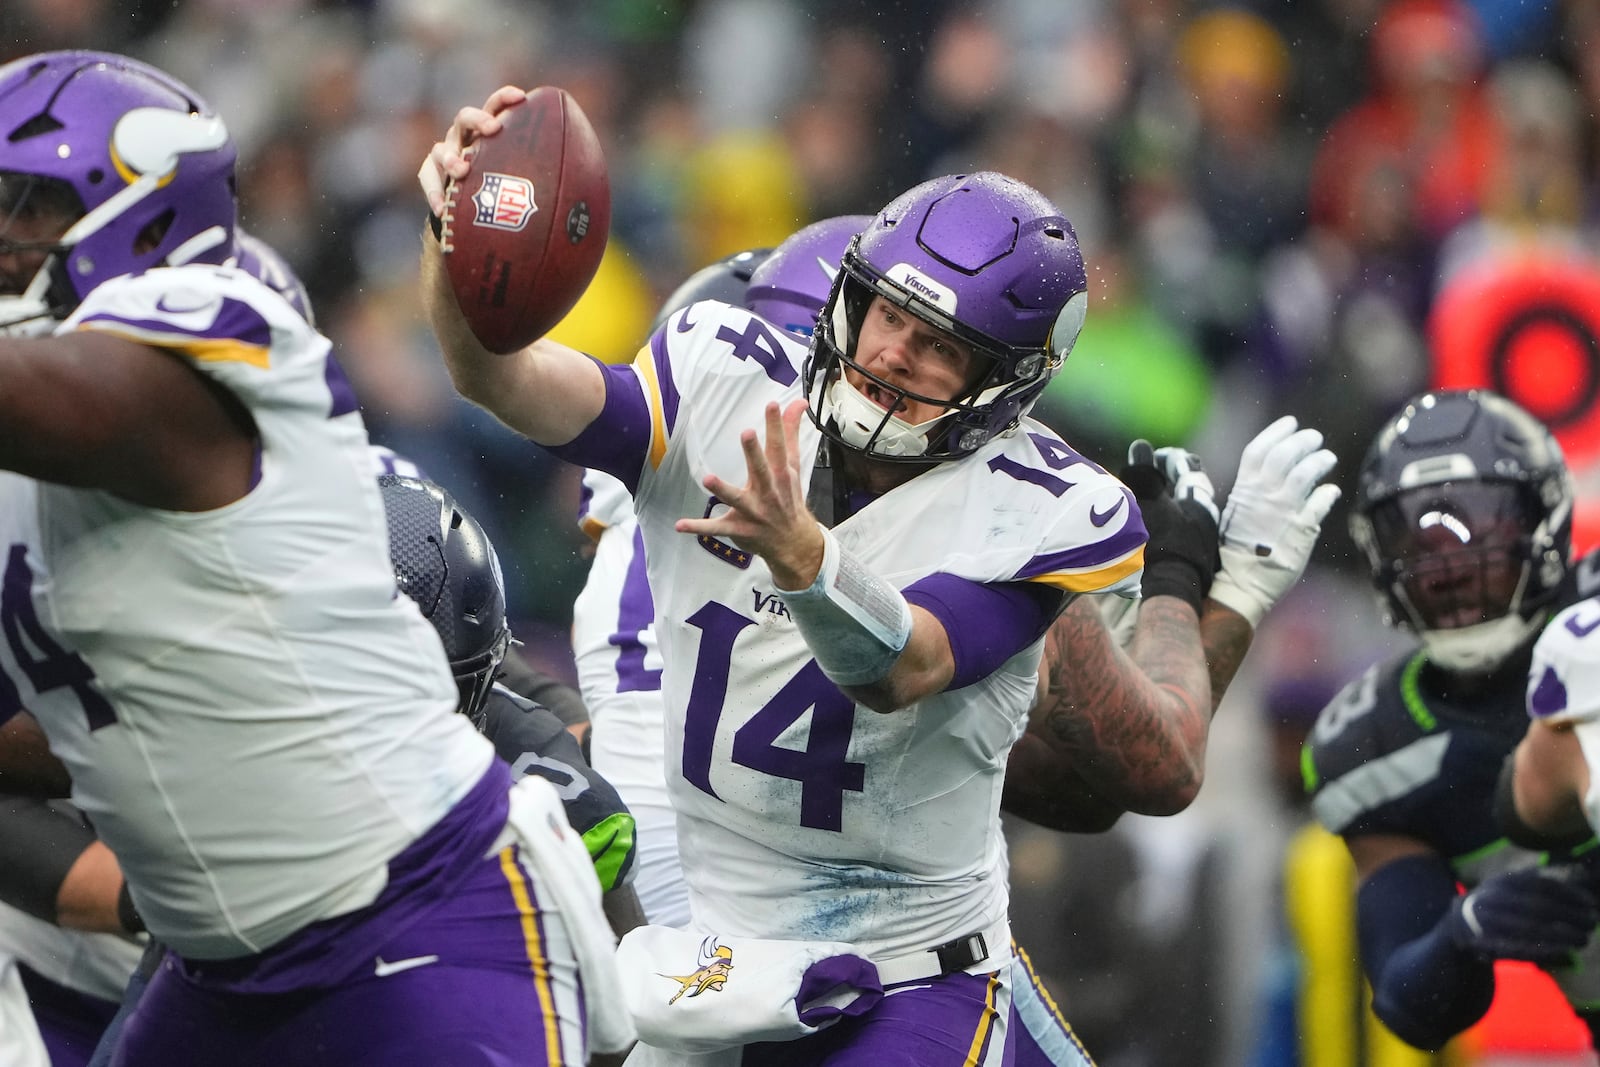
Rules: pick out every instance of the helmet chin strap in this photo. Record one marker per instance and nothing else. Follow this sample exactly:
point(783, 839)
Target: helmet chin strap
point(858, 420)
point(1481, 647)
point(28, 313)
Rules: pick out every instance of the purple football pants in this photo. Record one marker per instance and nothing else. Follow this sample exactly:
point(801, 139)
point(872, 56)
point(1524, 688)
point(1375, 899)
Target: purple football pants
point(483, 978)
point(944, 1022)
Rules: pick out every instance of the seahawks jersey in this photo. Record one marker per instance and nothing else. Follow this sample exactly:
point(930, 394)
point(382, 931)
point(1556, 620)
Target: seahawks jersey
point(530, 738)
point(802, 815)
point(254, 719)
point(1391, 754)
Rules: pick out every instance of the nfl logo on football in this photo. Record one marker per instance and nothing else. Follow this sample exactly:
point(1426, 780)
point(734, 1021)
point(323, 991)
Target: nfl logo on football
point(504, 202)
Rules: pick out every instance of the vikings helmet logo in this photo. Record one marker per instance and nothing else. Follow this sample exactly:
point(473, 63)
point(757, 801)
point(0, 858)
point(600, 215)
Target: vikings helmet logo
point(715, 963)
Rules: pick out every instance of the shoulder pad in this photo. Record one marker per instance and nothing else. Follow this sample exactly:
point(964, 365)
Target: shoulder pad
point(1370, 746)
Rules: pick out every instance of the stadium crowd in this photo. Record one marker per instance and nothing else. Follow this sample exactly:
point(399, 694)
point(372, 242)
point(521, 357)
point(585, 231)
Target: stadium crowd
point(1274, 200)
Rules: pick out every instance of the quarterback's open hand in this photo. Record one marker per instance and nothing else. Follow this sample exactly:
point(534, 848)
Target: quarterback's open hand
point(1273, 516)
point(768, 514)
point(449, 159)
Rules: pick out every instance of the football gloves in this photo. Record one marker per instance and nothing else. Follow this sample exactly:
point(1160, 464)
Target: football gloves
point(1273, 516)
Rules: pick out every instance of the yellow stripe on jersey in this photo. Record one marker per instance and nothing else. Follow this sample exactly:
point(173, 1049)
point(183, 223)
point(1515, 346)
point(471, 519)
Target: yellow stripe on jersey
point(536, 959)
point(646, 365)
point(208, 350)
point(1093, 580)
point(985, 1024)
point(592, 527)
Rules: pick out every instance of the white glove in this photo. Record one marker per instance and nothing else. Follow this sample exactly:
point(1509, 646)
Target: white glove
point(1273, 516)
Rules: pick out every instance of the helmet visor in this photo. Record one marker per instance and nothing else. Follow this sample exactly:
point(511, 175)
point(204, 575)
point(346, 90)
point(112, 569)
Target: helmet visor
point(1456, 553)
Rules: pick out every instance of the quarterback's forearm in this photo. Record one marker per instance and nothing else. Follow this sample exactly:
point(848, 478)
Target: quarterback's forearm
point(548, 392)
point(1133, 724)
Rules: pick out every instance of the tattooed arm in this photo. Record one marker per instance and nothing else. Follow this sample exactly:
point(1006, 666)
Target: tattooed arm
point(1118, 730)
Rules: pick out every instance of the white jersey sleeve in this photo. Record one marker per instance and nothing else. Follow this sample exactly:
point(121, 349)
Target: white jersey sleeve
point(1564, 678)
point(803, 815)
point(1564, 685)
point(254, 718)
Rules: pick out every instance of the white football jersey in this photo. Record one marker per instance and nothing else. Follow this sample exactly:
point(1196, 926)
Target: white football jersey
point(256, 721)
point(1564, 685)
point(802, 815)
point(613, 636)
point(619, 674)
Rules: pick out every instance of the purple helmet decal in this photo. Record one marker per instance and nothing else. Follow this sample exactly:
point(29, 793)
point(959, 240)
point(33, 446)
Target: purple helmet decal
point(982, 257)
point(147, 164)
point(791, 286)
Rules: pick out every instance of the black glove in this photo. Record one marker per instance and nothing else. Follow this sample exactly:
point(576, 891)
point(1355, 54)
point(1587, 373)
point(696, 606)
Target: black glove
point(1181, 557)
point(1538, 914)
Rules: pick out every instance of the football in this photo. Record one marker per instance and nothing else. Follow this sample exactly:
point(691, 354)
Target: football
point(522, 236)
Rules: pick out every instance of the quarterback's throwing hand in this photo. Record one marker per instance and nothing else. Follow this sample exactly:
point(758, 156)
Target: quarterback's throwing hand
point(768, 514)
point(1273, 516)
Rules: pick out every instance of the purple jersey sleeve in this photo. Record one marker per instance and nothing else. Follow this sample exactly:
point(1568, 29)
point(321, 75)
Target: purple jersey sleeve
point(618, 440)
point(987, 623)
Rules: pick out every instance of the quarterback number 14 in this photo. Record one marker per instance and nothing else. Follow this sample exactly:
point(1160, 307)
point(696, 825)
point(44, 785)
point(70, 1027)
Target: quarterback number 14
point(47, 665)
point(821, 768)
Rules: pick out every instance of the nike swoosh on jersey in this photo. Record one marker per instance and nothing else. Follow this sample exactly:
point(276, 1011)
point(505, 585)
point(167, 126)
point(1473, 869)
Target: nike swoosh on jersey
point(185, 303)
point(685, 324)
point(1100, 518)
point(384, 970)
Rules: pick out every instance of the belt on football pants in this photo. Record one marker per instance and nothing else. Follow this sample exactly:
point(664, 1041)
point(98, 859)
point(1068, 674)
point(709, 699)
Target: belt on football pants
point(961, 954)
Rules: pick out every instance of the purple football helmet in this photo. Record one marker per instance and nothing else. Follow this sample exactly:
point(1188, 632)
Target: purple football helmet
point(140, 162)
point(790, 287)
point(256, 257)
point(982, 257)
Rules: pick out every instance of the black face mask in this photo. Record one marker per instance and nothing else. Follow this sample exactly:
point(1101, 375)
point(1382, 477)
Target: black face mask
point(1456, 554)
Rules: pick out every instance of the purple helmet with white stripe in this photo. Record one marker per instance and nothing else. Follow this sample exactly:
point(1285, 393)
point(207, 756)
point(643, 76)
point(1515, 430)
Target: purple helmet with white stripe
point(138, 169)
point(981, 256)
point(791, 285)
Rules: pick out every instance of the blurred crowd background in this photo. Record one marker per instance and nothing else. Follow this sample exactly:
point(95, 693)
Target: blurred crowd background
point(1301, 206)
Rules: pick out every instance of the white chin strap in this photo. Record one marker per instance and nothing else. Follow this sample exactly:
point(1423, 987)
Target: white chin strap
point(1482, 646)
point(857, 418)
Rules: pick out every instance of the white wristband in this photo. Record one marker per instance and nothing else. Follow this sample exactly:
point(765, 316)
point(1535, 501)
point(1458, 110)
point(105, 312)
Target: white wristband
point(855, 623)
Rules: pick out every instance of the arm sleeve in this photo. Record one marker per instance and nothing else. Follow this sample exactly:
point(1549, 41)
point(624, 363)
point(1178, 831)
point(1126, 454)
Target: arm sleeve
point(987, 623)
point(38, 846)
point(1424, 987)
point(618, 440)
